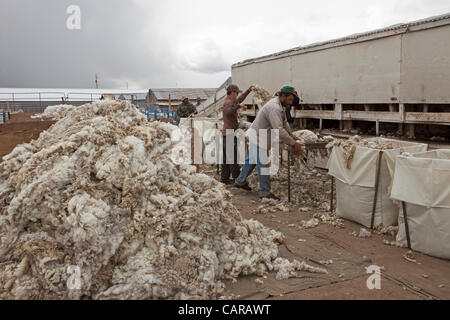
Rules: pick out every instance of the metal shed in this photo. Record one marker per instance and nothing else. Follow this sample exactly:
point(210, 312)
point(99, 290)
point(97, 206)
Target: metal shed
point(398, 74)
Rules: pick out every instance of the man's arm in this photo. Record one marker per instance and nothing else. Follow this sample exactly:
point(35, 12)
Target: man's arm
point(287, 126)
point(244, 95)
point(192, 109)
point(276, 122)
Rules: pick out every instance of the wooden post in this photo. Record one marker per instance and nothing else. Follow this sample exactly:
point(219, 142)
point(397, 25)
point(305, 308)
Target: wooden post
point(411, 130)
point(321, 124)
point(402, 111)
point(377, 128)
point(217, 151)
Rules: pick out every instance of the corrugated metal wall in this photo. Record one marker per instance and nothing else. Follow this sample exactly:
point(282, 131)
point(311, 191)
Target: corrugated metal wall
point(408, 67)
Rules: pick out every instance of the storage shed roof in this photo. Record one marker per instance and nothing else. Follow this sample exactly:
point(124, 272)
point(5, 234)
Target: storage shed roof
point(426, 23)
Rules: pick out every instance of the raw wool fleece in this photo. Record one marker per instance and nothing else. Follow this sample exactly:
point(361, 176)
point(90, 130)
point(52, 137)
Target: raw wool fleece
point(55, 112)
point(349, 146)
point(262, 96)
point(99, 191)
point(305, 136)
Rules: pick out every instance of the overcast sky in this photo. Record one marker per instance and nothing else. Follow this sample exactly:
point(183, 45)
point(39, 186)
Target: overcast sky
point(173, 43)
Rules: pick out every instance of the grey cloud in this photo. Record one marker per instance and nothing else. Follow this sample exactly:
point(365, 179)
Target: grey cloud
point(205, 57)
point(169, 43)
point(42, 52)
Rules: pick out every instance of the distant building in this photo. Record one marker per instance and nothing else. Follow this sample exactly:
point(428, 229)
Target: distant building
point(135, 98)
point(162, 98)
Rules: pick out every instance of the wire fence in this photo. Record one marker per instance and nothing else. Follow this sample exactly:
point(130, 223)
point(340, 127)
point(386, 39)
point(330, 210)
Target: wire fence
point(36, 102)
point(152, 112)
point(4, 116)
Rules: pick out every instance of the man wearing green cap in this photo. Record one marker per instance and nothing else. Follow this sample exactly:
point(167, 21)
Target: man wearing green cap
point(271, 117)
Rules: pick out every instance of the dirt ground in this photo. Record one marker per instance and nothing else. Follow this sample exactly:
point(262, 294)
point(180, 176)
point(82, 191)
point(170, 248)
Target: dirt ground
point(428, 278)
point(20, 129)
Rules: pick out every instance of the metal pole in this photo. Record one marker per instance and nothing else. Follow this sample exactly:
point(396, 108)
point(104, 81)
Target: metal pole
point(289, 175)
point(405, 215)
point(377, 182)
point(217, 150)
point(332, 194)
point(170, 103)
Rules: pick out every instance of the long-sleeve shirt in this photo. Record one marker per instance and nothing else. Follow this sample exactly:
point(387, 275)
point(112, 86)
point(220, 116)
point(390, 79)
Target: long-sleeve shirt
point(185, 110)
point(229, 111)
point(273, 116)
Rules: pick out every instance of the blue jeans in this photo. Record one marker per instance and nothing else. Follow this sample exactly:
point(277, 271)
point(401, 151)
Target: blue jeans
point(257, 158)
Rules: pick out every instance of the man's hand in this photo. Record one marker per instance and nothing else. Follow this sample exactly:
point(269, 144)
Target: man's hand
point(251, 88)
point(243, 106)
point(298, 149)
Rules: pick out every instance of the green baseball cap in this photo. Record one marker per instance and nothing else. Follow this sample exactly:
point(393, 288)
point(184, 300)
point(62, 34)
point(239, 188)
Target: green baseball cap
point(289, 89)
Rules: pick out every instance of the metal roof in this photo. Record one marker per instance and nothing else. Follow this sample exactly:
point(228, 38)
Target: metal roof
point(179, 93)
point(378, 33)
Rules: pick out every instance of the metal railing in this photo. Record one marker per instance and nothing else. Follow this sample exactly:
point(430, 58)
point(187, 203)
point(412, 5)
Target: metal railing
point(157, 113)
point(4, 116)
point(38, 101)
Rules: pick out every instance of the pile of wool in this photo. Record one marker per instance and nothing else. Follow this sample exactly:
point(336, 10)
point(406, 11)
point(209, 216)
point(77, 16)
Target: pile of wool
point(55, 112)
point(309, 187)
point(262, 96)
point(306, 136)
point(99, 193)
point(272, 206)
point(349, 146)
point(244, 125)
point(286, 269)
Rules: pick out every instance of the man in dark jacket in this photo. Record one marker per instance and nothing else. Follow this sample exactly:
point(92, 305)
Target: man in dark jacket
point(230, 122)
point(185, 109)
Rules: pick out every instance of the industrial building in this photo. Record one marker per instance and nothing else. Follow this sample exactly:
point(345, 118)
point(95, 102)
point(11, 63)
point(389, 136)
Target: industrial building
point(171, 98)
point(397, 75)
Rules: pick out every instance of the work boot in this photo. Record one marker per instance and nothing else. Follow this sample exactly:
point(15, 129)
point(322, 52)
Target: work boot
point(244, 186)
point(228, 182)
point(270, 196)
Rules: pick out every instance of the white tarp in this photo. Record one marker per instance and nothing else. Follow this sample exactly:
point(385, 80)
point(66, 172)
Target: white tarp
point(206, 131)
point(355, 187)
point(203, 126)
point(423, 183)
